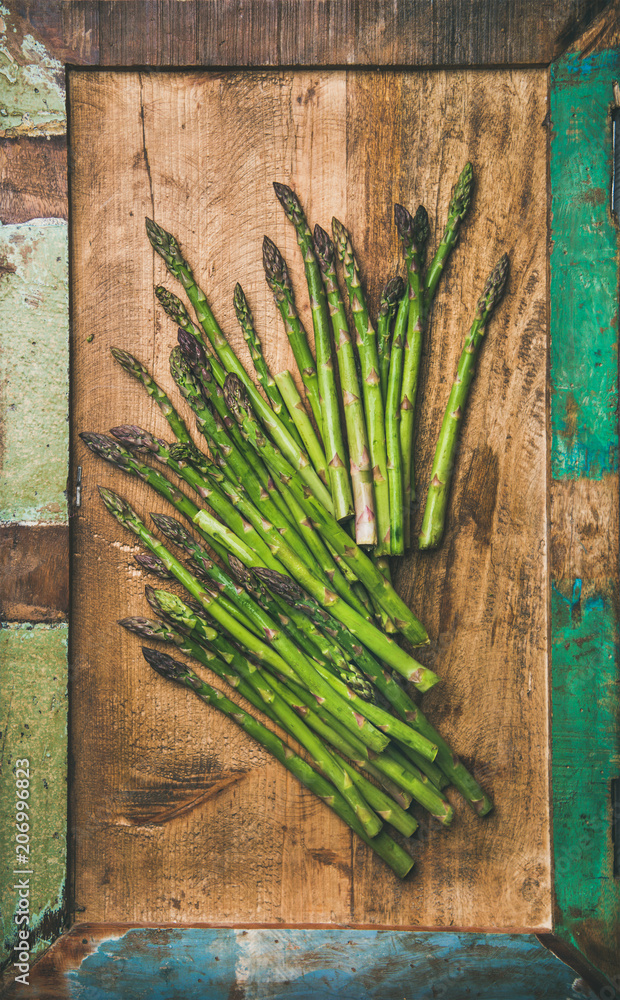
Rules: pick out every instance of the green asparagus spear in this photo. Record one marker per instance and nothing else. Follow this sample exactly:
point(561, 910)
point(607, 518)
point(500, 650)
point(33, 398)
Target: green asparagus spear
point(278, 279)
point(361, 473)
point(136, 369)
point(365, 569)
point(266, 379)
point(168, 248)
point(340, 484)
point(292, 658)
point(398, 859)
point(299, 416)
point(443, 463)
point(390, 298)
point(371, 383)
point(414, 233)
point(460, 201)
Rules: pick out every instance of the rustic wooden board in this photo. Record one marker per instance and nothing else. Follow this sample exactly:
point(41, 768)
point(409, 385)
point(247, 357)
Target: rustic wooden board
point(224, 33)
point(199, 151)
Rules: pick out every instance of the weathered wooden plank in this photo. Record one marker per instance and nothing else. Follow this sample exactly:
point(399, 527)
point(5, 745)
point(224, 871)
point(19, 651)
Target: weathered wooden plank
point(584, 503)
point(199, 151)
point(34, 572)
point(33, 179)
point(33, 720)
point(298, 965)
point(311, 33)
point(32, 88)
point(34, 362)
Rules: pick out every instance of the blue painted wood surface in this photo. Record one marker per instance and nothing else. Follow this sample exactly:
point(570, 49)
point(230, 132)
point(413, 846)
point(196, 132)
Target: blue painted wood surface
point(193, 963)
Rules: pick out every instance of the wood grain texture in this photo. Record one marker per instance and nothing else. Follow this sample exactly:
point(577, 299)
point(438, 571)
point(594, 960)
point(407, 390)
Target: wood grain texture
point(199, 151)
point(34, 573)
point(303, 32)
point(33, 179)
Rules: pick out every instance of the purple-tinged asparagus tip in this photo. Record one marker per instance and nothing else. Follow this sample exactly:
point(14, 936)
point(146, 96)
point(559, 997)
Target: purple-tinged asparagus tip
point(192, 351)
point(137, 438)
point(153, 564)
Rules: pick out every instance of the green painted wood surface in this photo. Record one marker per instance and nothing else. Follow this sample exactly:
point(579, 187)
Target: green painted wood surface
point(32, 84)
point(33, 714)
point(584, 422)
point(584, 281)
point(34, 372)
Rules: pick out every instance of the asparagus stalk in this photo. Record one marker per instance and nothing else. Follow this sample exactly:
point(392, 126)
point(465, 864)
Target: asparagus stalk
point(294, 595)
point(137, 370)
point(268, 654)
point(220, 657)
point(335, 662)
point(460, 201)
point(364, 568)
point(394, 855)
point(390, 767)
point(390, 298)
point(207, 423)
point(371, 383)
point(443, 463)
point(383, 565)
point(168, 248)
point(414, 233)
point(266, 379)
point(301, 420)
point(179, 315)
point(407, 709)
point(339, 481)
point(235, 464)
point(279, 281)
point(392, 431)
point(361, 473)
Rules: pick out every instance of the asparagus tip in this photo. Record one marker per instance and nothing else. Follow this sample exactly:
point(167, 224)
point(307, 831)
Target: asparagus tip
point(164, 664)
point(171, 528)
point(136, 437)
point(493, 289)
point(153, 564)
point(323, 246)
point(273, 262)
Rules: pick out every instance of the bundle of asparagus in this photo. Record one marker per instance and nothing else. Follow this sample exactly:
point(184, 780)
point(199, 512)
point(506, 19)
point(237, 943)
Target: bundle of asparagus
point(292, 604)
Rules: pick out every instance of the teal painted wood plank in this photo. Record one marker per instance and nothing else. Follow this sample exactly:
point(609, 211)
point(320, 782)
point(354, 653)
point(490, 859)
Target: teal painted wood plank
point(585, 716)
point(584, 425)
point(198, 963)
point(34, 371)
point(583, 278)
point(33, 719)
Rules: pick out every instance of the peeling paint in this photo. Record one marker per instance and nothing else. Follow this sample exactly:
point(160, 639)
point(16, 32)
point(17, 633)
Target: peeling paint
point(32, 85)
point(583, 270)
point(195, 963)
point(34, 376)
point(33, 722)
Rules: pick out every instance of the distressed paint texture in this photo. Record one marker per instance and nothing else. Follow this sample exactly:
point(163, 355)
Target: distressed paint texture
point(32, 85)
point(585, 715)
point(162, 963)
point(34, 372)
point(584, 279)
point(584, 418)
point(33, 713)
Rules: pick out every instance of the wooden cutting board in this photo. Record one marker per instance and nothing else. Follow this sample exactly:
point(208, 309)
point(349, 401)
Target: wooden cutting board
point(176, 815)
